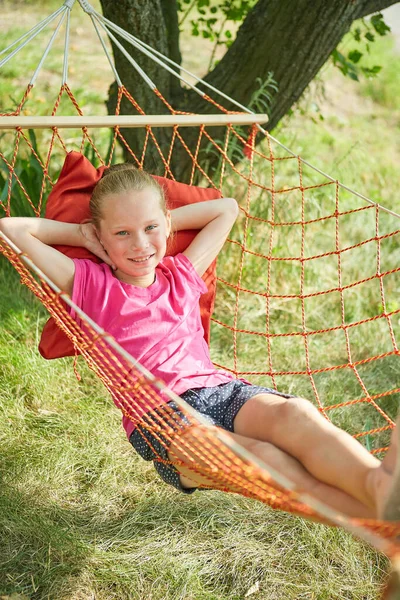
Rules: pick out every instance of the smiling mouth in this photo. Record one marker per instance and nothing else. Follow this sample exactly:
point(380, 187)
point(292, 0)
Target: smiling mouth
point(141, 260)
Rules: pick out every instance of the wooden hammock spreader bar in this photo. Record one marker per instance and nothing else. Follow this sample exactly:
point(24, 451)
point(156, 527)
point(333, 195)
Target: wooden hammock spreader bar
point(77, 122)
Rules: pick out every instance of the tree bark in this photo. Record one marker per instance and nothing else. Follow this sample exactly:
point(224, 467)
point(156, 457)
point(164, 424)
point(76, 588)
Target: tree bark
point(291, 40)
point(371, 6)
point(154, 22)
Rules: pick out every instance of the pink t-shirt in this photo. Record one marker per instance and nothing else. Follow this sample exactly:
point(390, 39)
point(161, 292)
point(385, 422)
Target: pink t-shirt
point(159, 325)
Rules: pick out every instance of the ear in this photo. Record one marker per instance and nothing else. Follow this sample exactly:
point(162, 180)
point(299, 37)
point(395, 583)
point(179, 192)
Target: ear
point(98, 232)
point(168, 219)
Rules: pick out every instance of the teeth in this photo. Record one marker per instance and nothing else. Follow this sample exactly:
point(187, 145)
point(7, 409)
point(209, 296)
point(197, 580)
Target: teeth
point(140, 259)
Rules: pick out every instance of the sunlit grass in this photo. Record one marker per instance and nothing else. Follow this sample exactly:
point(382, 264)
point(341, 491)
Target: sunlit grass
point(80, 514)
point(82, 517)
point(333, 262)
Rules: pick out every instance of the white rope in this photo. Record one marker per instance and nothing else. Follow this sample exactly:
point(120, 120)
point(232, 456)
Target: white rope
point(140, 44)
point(49, 45)
point(113, 68)
point(66, 47)
point(86, 7)
point(333, 515)
point(145, 77)
point(32, 33)
point(137, 44)
point(151, 53)
point(342, 185)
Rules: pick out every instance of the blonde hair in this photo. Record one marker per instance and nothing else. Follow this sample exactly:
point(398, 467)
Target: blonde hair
point(119, 179)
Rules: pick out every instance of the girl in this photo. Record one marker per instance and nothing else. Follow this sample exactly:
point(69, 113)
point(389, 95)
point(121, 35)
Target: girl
point(149, 303)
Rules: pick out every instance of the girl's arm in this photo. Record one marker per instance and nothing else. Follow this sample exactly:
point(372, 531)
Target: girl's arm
point(215, 218)
point(36, 236)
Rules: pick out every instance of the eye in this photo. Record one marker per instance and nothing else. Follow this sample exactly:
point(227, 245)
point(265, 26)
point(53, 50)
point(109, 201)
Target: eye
point(122, 233)
point(150, 227)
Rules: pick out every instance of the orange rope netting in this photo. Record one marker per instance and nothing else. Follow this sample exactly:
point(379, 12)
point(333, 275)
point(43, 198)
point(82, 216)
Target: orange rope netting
point(307, 298)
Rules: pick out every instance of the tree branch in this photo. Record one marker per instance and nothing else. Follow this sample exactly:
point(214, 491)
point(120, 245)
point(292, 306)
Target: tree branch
point(370, 6)
point(291, 40)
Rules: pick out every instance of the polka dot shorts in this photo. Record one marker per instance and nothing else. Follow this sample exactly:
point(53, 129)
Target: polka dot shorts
point(219, 405)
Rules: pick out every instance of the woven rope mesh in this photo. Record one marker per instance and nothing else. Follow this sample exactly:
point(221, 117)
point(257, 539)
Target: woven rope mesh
point(307, 294)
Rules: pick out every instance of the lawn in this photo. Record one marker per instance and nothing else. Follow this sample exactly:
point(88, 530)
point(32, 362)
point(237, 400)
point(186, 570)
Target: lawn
point(81, 516)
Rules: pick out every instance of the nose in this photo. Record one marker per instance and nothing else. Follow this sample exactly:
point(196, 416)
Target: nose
point(139, 241)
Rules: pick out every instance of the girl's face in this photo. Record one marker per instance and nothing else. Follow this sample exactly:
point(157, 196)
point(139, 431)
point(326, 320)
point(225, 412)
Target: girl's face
point(134, 232)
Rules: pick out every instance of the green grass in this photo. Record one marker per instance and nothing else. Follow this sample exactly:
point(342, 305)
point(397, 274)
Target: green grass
point(82, 517)
point(361, 301)
point(384, 90)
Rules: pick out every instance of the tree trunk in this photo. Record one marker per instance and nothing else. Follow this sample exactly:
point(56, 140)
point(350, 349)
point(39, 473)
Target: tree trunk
point(292, 40)
point(155, 23)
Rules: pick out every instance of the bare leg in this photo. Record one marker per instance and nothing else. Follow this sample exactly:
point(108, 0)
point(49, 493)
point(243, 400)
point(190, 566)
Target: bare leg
point(329, 454)
point(295, 439)
point(389, 507)
point(278, 460)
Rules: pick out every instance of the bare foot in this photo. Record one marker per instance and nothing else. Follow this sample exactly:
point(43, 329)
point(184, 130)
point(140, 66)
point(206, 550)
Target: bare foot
point(391, 508)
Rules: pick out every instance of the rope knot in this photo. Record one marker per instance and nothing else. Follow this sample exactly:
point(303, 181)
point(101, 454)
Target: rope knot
point(86, 6)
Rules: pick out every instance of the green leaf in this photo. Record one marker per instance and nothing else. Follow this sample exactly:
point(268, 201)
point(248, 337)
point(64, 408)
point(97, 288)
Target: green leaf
point(371, 72)
point(370, 36)
point(338, 57)
point(367, 438)
point(379, 24)
point(4, 193)
point(353, 75)
point(354, 56)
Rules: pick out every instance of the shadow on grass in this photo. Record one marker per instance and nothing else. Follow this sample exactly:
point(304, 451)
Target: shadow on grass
point(99, 539)
point(40, 544)
point(142, 546)
point(163, 547)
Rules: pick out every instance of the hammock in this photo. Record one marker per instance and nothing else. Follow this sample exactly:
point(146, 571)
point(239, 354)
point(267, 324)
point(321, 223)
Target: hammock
point(307, 284)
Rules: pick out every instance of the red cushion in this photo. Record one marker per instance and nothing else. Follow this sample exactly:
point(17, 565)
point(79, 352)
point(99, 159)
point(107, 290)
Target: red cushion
point(69, 202)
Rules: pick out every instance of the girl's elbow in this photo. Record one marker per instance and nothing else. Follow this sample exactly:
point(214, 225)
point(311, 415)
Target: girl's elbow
point(13, 227)
point(5, 224)
point(232, 207)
